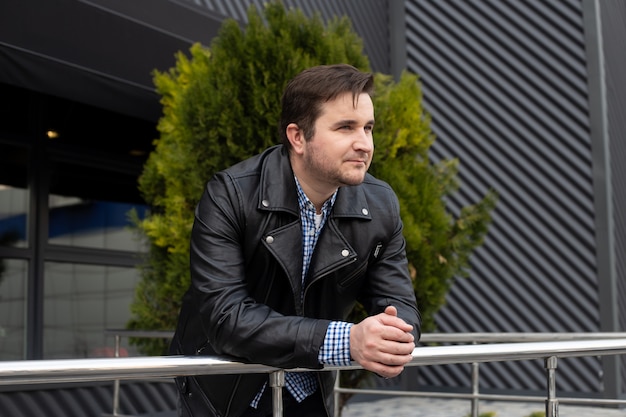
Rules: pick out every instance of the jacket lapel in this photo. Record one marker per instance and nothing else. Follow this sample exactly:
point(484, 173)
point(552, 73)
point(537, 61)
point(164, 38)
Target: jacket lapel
point(278, 193)
point(333, 250)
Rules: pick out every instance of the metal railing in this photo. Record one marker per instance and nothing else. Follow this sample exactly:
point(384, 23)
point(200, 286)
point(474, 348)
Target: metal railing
point(134, 368)
point(117, 334)
point(475, 395)
point(429, 338)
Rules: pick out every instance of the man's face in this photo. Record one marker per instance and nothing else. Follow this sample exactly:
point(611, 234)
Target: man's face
point(340, 151)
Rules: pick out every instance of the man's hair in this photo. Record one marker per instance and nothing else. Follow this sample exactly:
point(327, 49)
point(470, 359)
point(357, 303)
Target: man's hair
point(306, 93)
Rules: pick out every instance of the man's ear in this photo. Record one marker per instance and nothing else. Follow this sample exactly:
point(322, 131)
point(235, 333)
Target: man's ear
point(296, 137)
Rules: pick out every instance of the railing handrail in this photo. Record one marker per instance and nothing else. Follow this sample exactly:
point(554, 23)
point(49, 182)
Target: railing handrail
point(148, 334)
point(116, 369)
point(100, 369)
point(510, 337)
point(455, 337)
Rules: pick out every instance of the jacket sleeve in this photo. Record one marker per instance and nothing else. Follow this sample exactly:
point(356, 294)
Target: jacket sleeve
point(388, 281)
point(233, 322)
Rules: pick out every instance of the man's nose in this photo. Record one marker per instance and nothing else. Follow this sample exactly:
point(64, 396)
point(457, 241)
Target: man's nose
point(364, 141)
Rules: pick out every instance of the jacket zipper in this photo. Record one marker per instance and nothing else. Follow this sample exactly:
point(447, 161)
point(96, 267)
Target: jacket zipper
point(319, 278)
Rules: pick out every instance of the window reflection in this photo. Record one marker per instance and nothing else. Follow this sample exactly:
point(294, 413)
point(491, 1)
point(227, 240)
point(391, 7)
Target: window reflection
point(94, 224)
point(13, 274)
point(81, 301)
point(13, 209)
point(14, 196)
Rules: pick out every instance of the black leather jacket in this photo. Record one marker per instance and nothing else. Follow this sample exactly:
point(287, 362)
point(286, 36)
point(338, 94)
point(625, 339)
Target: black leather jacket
point(246, 273)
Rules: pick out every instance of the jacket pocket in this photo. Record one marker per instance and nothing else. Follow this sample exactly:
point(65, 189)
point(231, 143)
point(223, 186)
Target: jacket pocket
point(191, 400)
point(353, 277)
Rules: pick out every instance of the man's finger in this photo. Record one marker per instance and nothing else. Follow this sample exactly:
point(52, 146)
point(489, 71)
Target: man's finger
point(391, 310)
point(393, 320)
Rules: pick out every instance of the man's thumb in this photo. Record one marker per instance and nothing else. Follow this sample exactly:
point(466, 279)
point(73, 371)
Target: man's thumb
point(391, 310)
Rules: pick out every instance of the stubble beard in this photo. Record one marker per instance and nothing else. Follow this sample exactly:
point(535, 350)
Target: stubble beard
point(327, 172)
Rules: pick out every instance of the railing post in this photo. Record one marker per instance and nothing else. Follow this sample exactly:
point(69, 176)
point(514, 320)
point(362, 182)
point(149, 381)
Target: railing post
point(116, 383)
point(337, 395)
point(277, 382)
point(475, 386)
point(475, 389)
point(552, 403)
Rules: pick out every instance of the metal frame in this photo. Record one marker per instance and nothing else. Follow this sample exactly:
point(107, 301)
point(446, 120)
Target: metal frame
point(602, 187)
point(476, 348)
point(475, 396)
point(83, 370)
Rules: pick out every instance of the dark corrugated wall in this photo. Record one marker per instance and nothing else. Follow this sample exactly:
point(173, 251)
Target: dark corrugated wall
point(506, 84)
point(89, 400)
point(369, 19)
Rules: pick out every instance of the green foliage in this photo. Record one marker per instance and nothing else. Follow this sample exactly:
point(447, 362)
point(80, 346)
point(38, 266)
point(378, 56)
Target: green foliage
point(487, 414)
point(537, 414)
point(221, 104)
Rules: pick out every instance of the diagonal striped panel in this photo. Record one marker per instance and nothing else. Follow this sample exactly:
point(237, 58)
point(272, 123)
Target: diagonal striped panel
point(369, 19)
point(506, 84)
point(150, 398)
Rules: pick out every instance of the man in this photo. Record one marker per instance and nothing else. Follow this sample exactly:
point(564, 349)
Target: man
point(284, 244)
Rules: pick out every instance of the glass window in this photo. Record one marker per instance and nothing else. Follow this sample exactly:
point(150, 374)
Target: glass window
point(89, 204)
point(94, 224)
point(14, 196)
point(81, 302)
point(13, 276)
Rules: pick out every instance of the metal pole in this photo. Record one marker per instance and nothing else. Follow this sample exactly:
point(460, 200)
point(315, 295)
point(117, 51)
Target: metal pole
point(475, 392)
point(116, 383)
point(475, 385)
point(337, 394)
point(552, 403)
point(277, 382)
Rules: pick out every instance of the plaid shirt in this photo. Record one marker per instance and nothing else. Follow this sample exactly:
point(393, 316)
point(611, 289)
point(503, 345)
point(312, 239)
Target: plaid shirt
point(336, 347)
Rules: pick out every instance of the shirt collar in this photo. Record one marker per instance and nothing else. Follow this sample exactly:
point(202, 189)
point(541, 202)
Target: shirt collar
point(304, 202)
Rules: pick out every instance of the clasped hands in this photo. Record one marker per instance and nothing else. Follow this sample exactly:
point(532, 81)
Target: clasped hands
point(383, 343)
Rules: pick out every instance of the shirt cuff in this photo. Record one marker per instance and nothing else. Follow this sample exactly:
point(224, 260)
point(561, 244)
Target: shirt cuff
point(336, 347)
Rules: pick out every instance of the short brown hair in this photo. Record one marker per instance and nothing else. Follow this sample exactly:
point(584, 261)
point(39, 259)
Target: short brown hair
point(307, 91)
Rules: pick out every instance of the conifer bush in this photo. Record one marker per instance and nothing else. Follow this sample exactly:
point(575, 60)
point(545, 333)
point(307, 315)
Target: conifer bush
point(221, 104)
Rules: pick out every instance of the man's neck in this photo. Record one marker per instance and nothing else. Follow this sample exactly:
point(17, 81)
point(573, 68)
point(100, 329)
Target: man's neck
point(315, 192)
point(317, 198)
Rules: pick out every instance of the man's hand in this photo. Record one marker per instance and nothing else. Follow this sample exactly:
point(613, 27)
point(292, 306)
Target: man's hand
point(383, 343)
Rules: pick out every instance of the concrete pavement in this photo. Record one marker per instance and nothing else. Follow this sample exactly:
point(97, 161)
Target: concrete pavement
point(435, 407)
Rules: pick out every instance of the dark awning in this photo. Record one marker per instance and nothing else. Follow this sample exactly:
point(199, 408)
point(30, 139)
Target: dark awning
point(98, 52)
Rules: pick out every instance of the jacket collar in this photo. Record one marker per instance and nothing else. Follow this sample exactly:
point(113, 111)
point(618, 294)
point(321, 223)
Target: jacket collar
point(278, 190)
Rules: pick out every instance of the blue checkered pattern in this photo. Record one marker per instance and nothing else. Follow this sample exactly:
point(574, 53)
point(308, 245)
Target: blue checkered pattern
point(336, 347)
point(310, 230)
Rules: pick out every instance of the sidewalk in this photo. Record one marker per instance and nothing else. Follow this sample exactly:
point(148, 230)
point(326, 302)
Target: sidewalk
point(435, 407)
